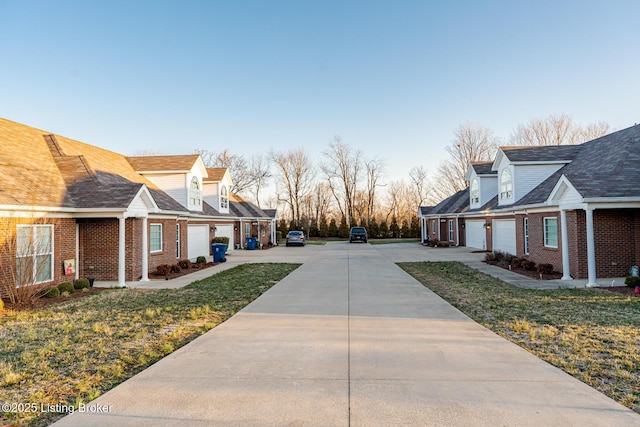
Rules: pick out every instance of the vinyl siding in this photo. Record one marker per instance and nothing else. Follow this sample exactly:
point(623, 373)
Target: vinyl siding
point(175, 185)
point(528, 177)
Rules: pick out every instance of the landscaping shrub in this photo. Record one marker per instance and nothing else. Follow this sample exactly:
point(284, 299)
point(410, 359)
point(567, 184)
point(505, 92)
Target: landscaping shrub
point(184, 264)
point(517, 262)
point(224, 240)
point(490, 257)
point(65, 287)
point(433, 243)
point(544, 268)
point(175, 268)
point(1, 304)
point(81, 284)
point(443, 244)
point(632, 281)
point(528, 265)
point(163, 269)
point(53, 292)
point(201, 260)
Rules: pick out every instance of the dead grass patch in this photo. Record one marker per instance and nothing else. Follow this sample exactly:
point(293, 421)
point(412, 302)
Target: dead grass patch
point(590, 334)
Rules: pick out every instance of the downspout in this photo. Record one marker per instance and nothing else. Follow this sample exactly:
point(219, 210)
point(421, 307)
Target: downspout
point(457, 230)
point(439, 228)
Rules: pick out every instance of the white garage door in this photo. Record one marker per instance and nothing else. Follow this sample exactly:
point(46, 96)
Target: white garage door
point(226, 231)
point(475, 234)
point(198, 241)
point(504, 235)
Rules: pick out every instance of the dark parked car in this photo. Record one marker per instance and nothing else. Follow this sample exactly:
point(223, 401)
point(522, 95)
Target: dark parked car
point(295, 238)
point(358, 234)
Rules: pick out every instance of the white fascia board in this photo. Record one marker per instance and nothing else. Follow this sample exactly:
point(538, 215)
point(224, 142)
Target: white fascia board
point(163, 172)
point(545, 162)
point(471, 172)
point(200, 165)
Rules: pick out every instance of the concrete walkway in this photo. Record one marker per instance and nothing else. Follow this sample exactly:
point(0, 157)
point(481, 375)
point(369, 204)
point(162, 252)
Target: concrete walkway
point(349, 339)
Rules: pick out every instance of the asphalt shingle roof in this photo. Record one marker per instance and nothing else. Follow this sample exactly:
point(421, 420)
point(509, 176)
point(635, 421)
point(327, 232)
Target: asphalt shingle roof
point(457, 203)
point(545, 153)
point(483, 168)
point(606, 167)
point(163, 163)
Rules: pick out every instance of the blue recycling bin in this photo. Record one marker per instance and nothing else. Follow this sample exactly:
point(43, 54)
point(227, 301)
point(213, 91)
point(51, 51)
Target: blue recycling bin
point(218, 250)
point(251, 243)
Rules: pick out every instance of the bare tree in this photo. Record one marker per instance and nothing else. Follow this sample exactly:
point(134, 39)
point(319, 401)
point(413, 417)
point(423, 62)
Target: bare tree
point(259, 174)
point(593, 131)
point(419, 179)
point(27, 249)
point(342, 170)
point(472, 143)
point(236, 164)
point(556, 129)
point(374, 170)
point(295, 178)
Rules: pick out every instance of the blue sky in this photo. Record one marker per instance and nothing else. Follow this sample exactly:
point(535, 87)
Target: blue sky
point(393, 78)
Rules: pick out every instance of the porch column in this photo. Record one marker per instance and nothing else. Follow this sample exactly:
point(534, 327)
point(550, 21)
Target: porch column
point(145, 250)
point(591, 250)
point(121, 252)
point(439, 229)
point(565, 246)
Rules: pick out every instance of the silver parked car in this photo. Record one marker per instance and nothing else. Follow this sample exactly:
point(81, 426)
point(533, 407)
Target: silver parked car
point(295, 238)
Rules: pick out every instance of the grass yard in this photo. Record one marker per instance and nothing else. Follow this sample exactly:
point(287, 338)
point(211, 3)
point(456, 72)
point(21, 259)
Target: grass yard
point(593, 335)
point(73, 352)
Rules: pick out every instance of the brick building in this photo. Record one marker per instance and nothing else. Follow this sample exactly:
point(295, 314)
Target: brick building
point(576, 207)
point(70, 209)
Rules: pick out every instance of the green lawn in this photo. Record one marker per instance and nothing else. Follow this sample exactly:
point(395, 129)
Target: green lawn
point(592, 334)
point(75, 351)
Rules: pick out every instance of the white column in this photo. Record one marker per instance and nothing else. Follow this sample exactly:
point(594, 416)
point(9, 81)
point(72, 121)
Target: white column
point(145, 250)
point(121, 251)
point(565, 246)
point(591, 250)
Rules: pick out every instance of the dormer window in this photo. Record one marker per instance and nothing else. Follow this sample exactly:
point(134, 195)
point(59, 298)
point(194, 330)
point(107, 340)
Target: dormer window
point(195, 193)
point(474, 192)
point(224, 198)
point(506, 185)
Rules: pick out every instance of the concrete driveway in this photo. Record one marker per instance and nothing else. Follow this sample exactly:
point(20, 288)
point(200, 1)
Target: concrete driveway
point(349, 339)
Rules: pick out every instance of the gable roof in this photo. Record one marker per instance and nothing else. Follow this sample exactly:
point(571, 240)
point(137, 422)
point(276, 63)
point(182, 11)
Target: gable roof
point(42, 169)
point(149, 164)
point(457, 203)
point(607, 167)
point(546, 153)
point(483, 168)
point(215, 174)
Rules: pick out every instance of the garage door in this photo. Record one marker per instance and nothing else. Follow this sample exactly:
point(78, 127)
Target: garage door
point(504, 235)
point(198, 241)
point(226, 231)
point(475, 234)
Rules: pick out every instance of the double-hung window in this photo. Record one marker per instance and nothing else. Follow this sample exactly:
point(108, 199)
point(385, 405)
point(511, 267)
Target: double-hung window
point(506, 185)
point(155, 237)
point(526, 236)
point(451, 230)
point(224, 198)
point(34, 254)
point(475, 192)
point(551, 232)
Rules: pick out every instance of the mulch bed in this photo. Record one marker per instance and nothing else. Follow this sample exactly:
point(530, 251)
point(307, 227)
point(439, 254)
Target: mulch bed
point(44, 302)
point(193, 269)
point(529, 273)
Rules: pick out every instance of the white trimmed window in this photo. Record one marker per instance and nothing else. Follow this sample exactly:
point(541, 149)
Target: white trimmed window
point(155, 237)
point(433, 226)
point(34, 254)
point(451, 230)
point(224, 198)
point(247, 229)
point(526, 235)
point(195, 194)
point(475, 192)
point(177, 240)
point(506, 185)
point(551, 232)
